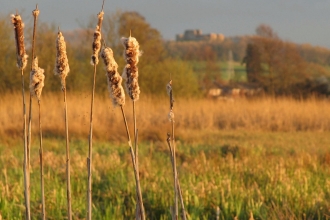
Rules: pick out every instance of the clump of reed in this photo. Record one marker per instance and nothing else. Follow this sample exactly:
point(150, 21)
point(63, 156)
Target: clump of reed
point(96, 46)
point(62, 69)
point(172, 148)
point(21, 57)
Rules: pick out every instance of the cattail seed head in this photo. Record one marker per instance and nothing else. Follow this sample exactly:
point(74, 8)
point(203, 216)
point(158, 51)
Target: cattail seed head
point(96, 47)
point(35, 12)
point(37, 79)
point(61, 64)
point(169, 88)
point(99, 20)
point(116, 90)
point(19, 39)
point(130, 73)
point(97, 40)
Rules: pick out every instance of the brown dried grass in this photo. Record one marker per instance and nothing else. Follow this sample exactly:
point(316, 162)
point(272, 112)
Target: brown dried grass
point(267, 114)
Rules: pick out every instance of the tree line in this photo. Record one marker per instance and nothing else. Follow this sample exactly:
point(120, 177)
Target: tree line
point(156, 67)
point(280, 67)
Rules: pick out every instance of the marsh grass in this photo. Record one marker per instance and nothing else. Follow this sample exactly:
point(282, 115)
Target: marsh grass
point(274, 175)
point(195, 116)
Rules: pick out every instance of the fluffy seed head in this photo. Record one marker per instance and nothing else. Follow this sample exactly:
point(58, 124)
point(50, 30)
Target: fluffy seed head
point(132, 50)
point(116, 90)
point(130, 73)
point(97, 39)
point(37, 78)
point(19, 40)
point(99, 20)
point(96, 47)
point(61, 64)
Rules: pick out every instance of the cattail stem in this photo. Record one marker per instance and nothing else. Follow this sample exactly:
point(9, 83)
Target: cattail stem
point(137, 179)
point(25, 163)
point(138, 211)
point(89, 159)
point(183, 214)
point(35, 14)
point(42, 185)
point(175, 179)
point(68, 183)
point(175, 175)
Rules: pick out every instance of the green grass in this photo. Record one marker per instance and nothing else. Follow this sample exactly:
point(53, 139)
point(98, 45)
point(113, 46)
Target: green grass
point(274, 175)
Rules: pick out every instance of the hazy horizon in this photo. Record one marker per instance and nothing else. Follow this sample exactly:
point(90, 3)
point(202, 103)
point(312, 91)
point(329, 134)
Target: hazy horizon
point(296, 21)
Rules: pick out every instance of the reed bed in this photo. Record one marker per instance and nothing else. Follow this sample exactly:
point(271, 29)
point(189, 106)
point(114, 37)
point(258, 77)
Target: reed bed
point(267, 114)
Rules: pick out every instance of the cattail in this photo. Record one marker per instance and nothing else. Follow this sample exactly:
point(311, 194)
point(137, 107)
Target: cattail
point(130, 74)
point(97, 40)
point(21, 64)
point(37, 78)
point(61, 65)
point(114, 79)
point(19, 39)
point(62, 69)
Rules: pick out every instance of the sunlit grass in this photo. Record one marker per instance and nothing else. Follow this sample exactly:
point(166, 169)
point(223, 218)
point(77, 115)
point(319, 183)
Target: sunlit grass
point(274, 175)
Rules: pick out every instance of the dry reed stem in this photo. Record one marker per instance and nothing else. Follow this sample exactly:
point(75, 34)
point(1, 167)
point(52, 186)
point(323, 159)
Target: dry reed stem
point(42, 184)
point(136, 174)
point(21, 64)
point(25, 163)
point(36, 84)
point(35, 14)
point(90, 150)
point(68, 186)
point(96, 46)
point(183, 214)
point(171, 118)
point(114, 80)
point(130, 74)
point(62, 69)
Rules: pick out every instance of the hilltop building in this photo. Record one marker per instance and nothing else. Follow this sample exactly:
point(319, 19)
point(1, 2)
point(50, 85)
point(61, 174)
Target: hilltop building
point(196, 35)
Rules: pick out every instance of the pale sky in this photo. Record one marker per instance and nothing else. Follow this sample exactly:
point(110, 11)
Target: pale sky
point(299, 21)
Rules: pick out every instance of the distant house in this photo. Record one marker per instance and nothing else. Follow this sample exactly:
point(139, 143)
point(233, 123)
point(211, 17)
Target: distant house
point(196, 35)
point(220, 90)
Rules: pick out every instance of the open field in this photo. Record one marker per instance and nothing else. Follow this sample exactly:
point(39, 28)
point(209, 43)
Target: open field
point(267, 157)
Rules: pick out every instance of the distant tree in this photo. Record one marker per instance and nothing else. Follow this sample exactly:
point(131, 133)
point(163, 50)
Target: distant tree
point(274, 64)
point(9, 73)
point(253, 63)
point(266, 31)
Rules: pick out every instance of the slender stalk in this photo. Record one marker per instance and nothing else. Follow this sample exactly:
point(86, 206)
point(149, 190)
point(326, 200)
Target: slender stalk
point(175, 175)
point(183, 214)
point(25, 163)
point(68, 183)
point(136, 157)
point(89, 159)
point(43, 213)
point(35, 14)
point(137, 179)
point(175, 179)
point(135, 137)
